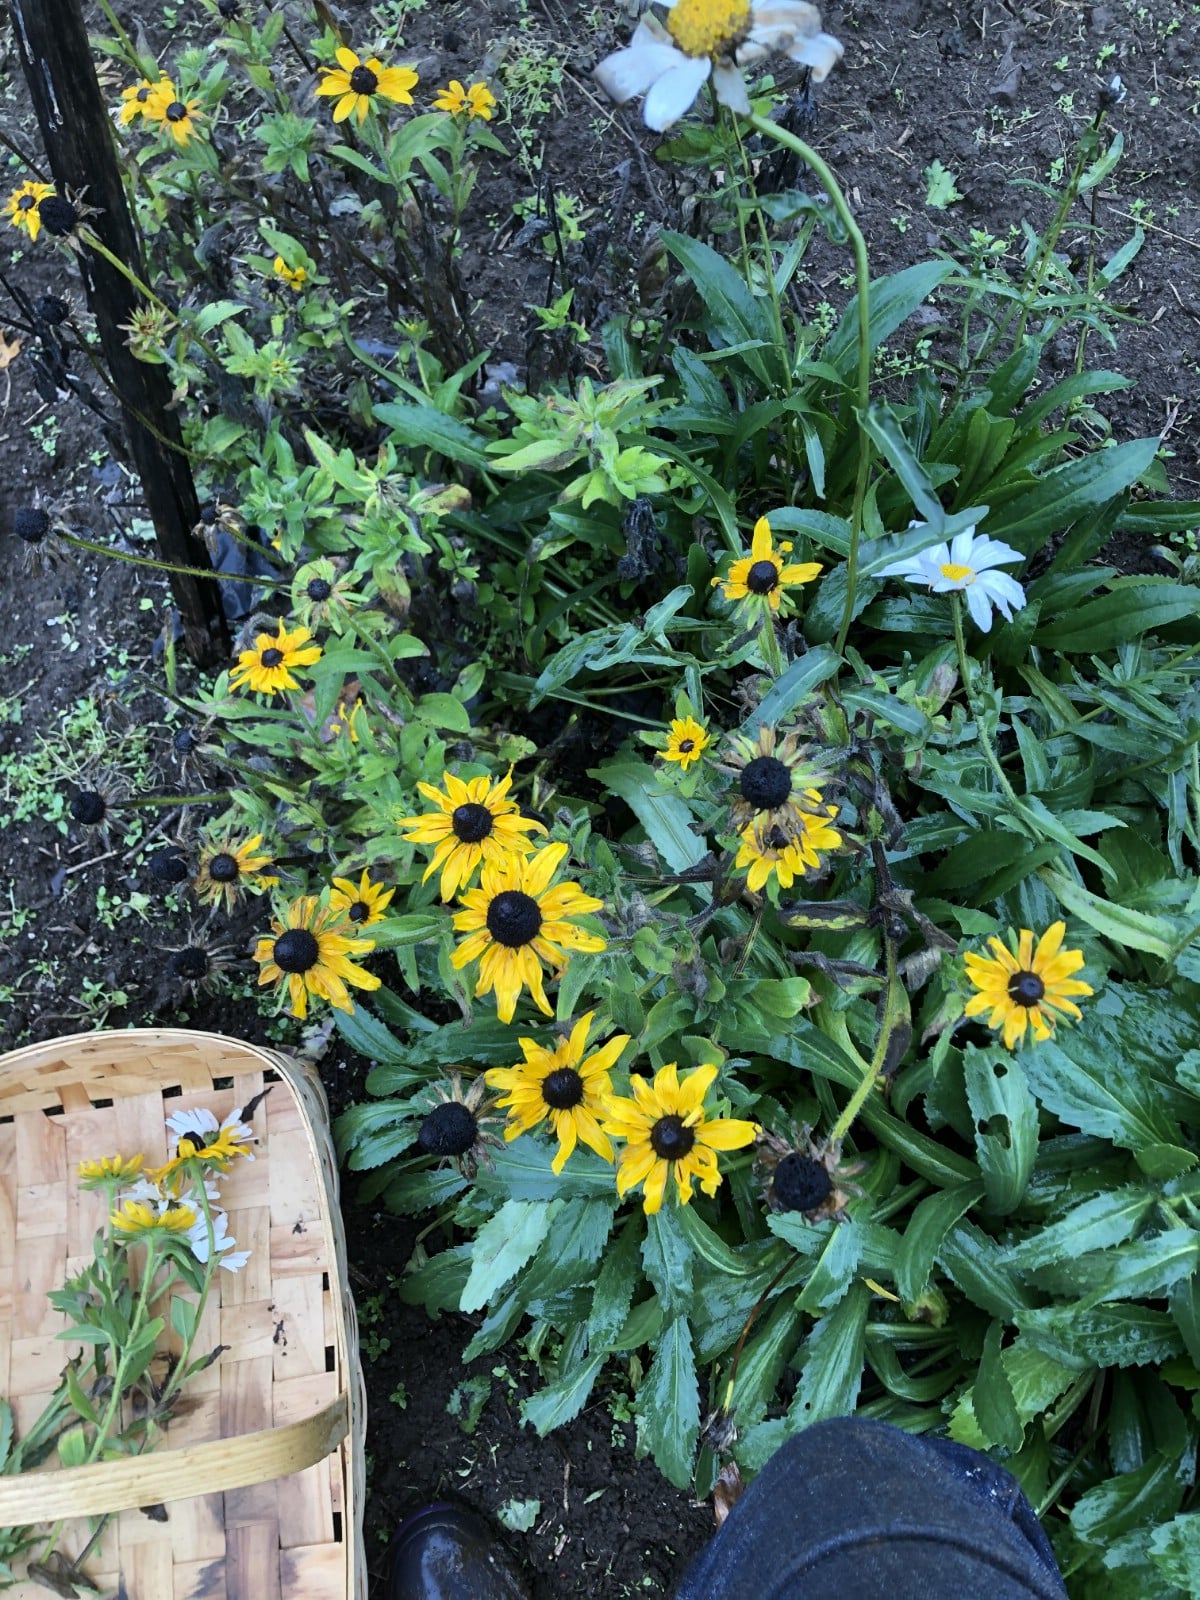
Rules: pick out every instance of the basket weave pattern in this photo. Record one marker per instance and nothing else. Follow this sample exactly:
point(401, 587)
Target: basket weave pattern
point(287, 1388)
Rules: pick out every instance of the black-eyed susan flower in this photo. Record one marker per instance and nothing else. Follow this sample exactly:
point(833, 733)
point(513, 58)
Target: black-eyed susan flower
point(178, 118)
point(764, 851)
point(197, 1136)
point(98, 797)
point(294, 277)
point(109, 1170)
point(363, 902)
point(514, 921)
point(1023, 990)
point(475, 822)
point(356, 83)
point(665, 1130)
point(24, 206)
point(764, 575)
point(460, 1126)
point(267, 668)
point(687, 741)
point(139, 1219)
point(777, 780)
point(477, 101)
point(227, 869)
point(562, 1085)
point(308, 953)
point(712, 39)
point(139, 100)
point(323, 595)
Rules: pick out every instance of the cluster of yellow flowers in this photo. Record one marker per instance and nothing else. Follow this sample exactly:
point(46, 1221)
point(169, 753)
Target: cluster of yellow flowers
point(357, 83)
point(159, 104)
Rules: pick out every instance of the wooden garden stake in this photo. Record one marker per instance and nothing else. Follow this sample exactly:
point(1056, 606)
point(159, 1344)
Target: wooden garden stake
point(77, 132)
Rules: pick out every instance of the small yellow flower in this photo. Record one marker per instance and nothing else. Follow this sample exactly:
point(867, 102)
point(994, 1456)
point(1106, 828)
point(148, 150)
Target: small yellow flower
point(789, 855)
point(22, 206)
point(665, 1129)
point(109, 1169)
point(514, 921)
point(178, 117)
point(198, 1136)
point(348, 721)
point(763, 574)
point(358, 82)
point(562, 1085)
point(140, 100)
point(267, 668)
point(1023, 990)
point(477, 101)
point(363, 903)
point(294, 277)
point(475, 822)
point(687, 741)
point(227, 869)
point(136, 1218)
point(309, 954)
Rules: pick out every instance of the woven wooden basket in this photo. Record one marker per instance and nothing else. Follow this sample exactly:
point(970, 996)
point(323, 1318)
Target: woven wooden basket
point(273, 1430)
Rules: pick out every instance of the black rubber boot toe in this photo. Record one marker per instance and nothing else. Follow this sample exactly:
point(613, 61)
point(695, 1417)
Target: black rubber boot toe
point(448, 1552)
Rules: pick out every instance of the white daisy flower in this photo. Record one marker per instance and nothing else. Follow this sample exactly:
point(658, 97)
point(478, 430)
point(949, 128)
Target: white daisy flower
point(712, 39)
point(229, 1258)
point(965, 566)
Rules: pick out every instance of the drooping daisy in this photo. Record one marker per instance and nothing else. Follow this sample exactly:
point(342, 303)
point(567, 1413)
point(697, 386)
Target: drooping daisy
point(514, 921)
point(309, 954)
point(477, 101)
point(294, 277)
point(268, 667)
point(1023, 990)
point(358, 82)
point(135, 1219)
point(763, 574)
point(362, 903)
point(777, 781)
point(965, 565)
point(562, 1085)
point(23, 206)
point(686, 741)
point(788, 856)
point(665, 1129)
point(221, 1244)
point(712, 38)
point(227, 869)
point(475, 822)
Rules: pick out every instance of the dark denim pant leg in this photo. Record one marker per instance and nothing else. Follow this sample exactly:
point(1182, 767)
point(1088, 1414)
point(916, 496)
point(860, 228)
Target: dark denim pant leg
point(858, 1510)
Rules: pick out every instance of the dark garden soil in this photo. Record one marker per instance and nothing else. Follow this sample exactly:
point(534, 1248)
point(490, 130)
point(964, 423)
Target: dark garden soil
point(994, 91)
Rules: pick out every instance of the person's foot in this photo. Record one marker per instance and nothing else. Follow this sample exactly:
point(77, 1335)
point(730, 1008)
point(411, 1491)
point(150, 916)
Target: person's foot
point(448, 1552)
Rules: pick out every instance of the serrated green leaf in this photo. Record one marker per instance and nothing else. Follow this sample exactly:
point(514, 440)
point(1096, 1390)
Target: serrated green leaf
point(669, 1405)
point(977, 1264)
point(1005, 1119)
point(425, 428)
point(613, 1294)
point(1105, 1336)
point(438, 1283)
point(667, 1257)
point(666, 817)
point(1105, 1220)
point(931, 1220)
point(563, 1400)
point(763, 1359)
point(502, 1247)
point(1149, 1494)
point(992, 1395)
point(831, 1277)
point(833, 1360)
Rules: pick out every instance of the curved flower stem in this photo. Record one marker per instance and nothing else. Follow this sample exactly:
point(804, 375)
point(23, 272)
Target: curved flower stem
point(127, 272)
point(871, 1076)
point(171, 566)
point(965, 669)
point(862, 275)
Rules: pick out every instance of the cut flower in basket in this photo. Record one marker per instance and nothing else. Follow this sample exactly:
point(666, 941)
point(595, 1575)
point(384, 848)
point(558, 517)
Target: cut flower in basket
point(199, 1137)
point(712, 39)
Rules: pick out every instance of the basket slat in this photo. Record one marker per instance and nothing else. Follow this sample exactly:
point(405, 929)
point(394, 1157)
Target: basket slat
point(271, 1433)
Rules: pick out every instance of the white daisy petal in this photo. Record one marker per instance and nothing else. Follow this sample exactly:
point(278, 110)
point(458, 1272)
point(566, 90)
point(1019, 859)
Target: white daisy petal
point(992, 553)
point(979, 607)
point(730, 87)
point(822, 53)
point(675, 92)
point(961, 549)
point(188, 1122)
point(1005, 592)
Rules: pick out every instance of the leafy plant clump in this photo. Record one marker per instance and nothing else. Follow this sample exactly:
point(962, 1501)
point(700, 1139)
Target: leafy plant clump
point(729, 795)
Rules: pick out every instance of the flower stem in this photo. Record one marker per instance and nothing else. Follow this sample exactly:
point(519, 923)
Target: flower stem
point(862, 275)
point(871, 1076)
point(171, 566)
point(769, 641)
point(965, 668)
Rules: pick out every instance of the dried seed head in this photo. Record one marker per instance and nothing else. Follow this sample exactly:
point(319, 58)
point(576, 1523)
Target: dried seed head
point(58, 215)
point(31, 523)
point(191, 964)
point(801, 1183)
point(88, 808)
point(48, 308)
point(449, 1130)
point(168, 866)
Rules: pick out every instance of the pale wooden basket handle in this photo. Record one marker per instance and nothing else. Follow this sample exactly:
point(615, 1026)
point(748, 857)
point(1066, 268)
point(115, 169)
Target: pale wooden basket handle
point(164, 1475)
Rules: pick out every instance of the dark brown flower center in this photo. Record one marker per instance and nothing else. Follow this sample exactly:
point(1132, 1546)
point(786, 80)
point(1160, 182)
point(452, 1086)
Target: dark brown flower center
point(144, 93)
point(58, 215)
point(224, 868)
point(27, 202)
point(671, 1138)
point(448, 1130)
point(89, 808)
point(363, 80)
point(1026, 988)
point(471, 822)
point(319, 589)
point(191, 963)
point(168, 866)
point(31, 523)
point(563, 1089)
point(297, 950)
point(271, 657)
point(801, 1183)
point(686, 746)
point(359, 911)
point(762, 577)
point(514, 919)
point(176, 111)
point(765, 783)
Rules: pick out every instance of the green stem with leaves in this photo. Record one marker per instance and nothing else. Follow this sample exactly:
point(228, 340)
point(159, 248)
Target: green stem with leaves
point(862, 274)
point(874, 1067)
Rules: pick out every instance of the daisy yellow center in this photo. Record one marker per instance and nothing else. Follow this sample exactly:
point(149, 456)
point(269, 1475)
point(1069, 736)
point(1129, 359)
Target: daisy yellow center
point(709, 27)
point(296, 950)
point(765, 783)
point(363, 80)
point(514, 919)
point(1026, 989)
point(223, 868)
point(762, 577)
point(563, 1089)
point(471, 822)
point(957, 574)
point(671, 1139)
point(271, 657)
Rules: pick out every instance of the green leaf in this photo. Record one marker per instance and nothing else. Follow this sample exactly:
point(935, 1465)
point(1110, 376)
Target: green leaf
point(892, 300)
point(882, 426)
point(665, 816)
point(1133, 606)
point(833, 1361)
point(367, 1035)
point(931, 1220)
point(1147, 1495)
point(1035, 1381)
point(563, 1400)
point(502, 1247)
point(710, 1247)
point(1175, 1551)
point(1087, 1079)
point(795, 684)
point(669, 1405)
point(831, 1277)
point(1105, 1336)
point(1006, 1124)
point(73, 1447)
point(992, 1395)
point(1062, 496)
point(183, 1318)
point(522, 1171)
point(613, 1295)
point(1105, 1220)
point(667, 1257)
point(1123, 926)
point(978, 1265)
point(424, 427)
point(763, 1359)
point(735, 315)
point(415, 927)
point(519, 1516)
point(438, 1283)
